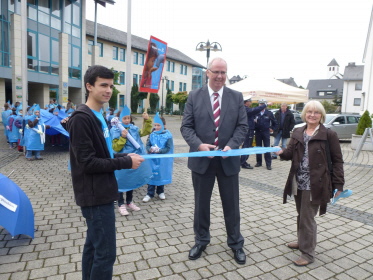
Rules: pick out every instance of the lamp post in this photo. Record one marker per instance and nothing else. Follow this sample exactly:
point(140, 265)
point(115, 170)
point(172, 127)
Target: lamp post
point(207, 46)
point(162, 108)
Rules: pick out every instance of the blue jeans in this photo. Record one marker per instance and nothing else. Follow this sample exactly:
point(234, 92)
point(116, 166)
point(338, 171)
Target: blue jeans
point(277, 141)
point(29, 154)
point(99, 250)
point(151, 190)
point(129, 197)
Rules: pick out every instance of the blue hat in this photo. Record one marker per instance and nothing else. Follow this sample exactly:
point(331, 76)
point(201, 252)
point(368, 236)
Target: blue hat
point(56, 110)
point(19, 108)
point(157, 119)
point(36, 108)
point(125, 112)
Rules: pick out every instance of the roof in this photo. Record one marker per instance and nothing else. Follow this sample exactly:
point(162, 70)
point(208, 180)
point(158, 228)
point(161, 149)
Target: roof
point(333, 63)
point(324, 85)
point(120, 37)
point(289, 81)
point(353, 72)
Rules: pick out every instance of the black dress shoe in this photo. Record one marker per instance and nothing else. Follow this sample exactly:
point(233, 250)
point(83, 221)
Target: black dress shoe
point(269, 168)
point(196, 251)
point(239, 256)
point(258, 165)
point(247, 166)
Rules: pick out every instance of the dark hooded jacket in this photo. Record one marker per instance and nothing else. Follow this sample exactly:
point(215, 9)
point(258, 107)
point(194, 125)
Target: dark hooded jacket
point(321, 181)
point(92, 169)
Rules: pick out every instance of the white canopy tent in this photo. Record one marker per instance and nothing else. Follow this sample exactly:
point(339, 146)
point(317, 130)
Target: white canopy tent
point(271, 90)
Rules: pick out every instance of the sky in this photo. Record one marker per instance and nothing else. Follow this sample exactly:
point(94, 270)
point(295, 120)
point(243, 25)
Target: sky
point(264, 38)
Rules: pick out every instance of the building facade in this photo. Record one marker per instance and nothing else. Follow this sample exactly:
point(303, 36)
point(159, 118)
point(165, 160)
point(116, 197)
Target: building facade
point(60, 48)
point(352, 88)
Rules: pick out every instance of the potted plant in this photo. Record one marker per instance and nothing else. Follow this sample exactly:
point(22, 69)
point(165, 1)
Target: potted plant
point(364, 122)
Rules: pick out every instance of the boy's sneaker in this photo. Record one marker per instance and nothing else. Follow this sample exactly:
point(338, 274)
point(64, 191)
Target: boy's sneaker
point(123, 210)
point(132, 206)
point(146, 198)
point(162, 196)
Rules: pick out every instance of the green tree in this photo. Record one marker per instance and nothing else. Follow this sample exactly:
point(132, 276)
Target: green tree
point(364, 122)
point(180, 98)
point(134, 98)
point(329, 107)
point(169, 101)
point(153, 100)
point(113, 100)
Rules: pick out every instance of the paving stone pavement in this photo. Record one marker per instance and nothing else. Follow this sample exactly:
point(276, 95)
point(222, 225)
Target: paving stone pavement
point(154, 242)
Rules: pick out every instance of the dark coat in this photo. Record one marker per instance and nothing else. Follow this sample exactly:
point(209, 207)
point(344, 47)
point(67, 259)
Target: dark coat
point(288, 124)
point(251, 115)
point(92, 168)
point(265, 122)
point(322, 184)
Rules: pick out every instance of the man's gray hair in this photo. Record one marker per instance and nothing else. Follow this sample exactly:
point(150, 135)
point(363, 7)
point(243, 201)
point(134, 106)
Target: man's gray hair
point(216, 58)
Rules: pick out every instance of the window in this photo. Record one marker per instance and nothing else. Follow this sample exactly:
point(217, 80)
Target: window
point(135, 58)
point(172, 66)
point(122, 78)
point(142, 58)
point(357, 101)
point(180, 86)
point(167, 84)
point(351, 119)
point(181, 69)
point(321, 93)
point(168, 68)
point(100, 49)
point(122, 54)
point(135, 79)
point(90, 44)
point(115, 53)
point(358, 86)
point(172, 85)
point(341, 120)
point(185, 70)
point(329, 92)
point(184, 87)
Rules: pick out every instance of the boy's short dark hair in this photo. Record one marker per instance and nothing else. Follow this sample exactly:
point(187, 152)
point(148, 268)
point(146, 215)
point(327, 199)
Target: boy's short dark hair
point(163, 120)
point(95, 71)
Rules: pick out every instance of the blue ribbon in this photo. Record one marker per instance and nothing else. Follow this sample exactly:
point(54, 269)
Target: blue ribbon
point(229, 153)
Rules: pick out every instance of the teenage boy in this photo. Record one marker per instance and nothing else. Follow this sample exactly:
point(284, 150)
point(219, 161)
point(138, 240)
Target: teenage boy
point(92, 171)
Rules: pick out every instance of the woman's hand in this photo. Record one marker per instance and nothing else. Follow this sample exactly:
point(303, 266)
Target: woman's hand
point(279, 152)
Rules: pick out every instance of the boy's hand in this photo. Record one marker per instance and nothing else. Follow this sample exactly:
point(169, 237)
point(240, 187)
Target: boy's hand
point(124, 133)
point(136, 160)
point(145, 116)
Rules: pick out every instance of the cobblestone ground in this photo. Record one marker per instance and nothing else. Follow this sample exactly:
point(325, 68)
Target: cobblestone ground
point(154, 242)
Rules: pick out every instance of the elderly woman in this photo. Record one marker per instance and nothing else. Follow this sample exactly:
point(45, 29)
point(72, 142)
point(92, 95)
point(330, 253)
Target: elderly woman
point(310, 180)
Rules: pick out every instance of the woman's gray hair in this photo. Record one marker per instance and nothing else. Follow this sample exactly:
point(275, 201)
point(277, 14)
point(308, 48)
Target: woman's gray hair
point(314, 105)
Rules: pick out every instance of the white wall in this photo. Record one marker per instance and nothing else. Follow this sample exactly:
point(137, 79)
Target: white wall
point(349, 94)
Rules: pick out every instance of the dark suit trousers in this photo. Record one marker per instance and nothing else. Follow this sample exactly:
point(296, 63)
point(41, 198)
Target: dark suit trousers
point(229, 193)
point(263, 140)
point(248, 143)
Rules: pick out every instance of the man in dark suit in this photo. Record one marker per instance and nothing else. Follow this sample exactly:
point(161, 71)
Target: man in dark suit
point(205, 129)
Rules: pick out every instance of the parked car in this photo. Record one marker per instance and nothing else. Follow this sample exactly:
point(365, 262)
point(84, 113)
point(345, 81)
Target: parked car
point(296, 114)
point(344, 124)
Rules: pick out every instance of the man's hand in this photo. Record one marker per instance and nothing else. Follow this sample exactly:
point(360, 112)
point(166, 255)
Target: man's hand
point(226, 148)
point(206, 147)
point(136, 160)
point(269, 103)
point(270, 130)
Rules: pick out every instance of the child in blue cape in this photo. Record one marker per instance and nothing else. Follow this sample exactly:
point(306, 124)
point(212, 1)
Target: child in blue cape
point(123, 143)
point(35, 135)
point(159, 142)
point(12, 130)
point(4, 117)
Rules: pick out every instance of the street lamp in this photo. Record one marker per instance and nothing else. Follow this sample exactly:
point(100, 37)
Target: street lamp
point(162, 108)
point(207, 46)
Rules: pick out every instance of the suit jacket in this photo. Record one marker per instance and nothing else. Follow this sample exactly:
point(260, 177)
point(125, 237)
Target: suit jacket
point(198, 127)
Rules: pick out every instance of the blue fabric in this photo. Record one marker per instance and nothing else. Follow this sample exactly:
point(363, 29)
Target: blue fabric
point(105, 131)
point(13, 136)
point(4, 117)
point(99, 250)
point(32, 140)
point(162, 167)
point(54, 122)
point(130, 179)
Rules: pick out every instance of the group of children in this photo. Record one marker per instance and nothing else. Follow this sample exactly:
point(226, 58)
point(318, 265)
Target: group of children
point(126, 138)
point(27, 131)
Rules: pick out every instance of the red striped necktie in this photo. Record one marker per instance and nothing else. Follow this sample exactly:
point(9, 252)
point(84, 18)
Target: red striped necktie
point(216, 111)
